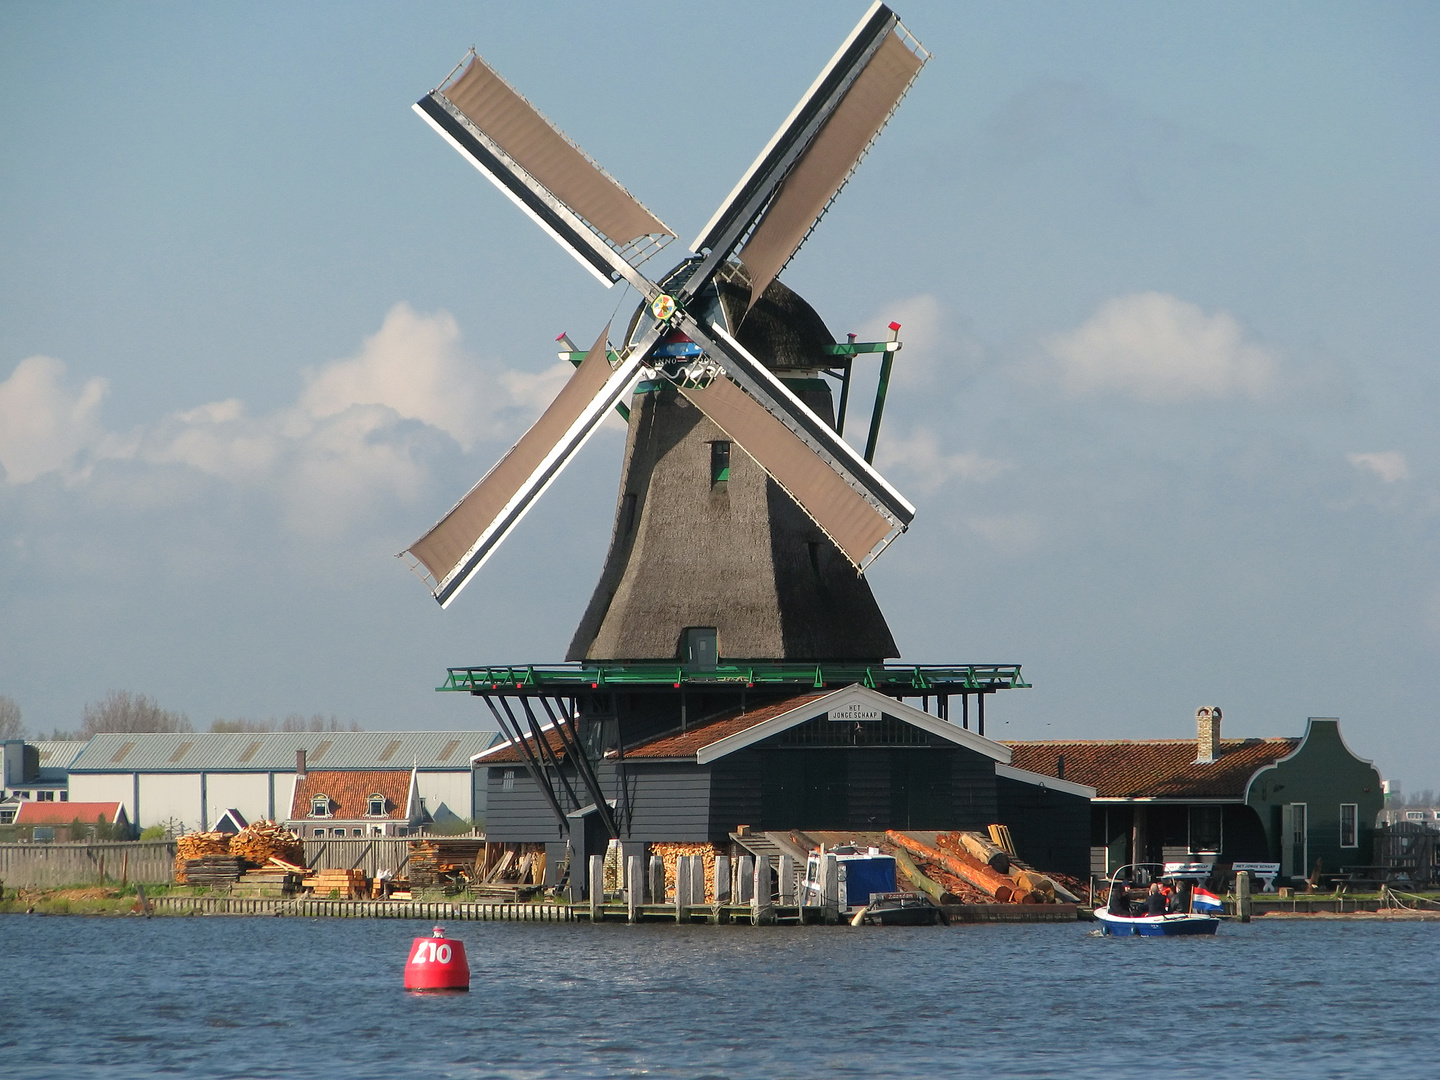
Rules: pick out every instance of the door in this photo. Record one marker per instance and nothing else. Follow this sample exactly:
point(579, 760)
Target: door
point(1294, 839)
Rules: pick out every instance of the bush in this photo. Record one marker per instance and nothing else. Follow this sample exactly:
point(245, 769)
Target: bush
point(153, 832)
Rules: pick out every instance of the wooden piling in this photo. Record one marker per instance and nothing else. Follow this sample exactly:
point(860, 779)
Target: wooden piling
point(597, 888)
point(657, 880)
point(722, 879)
point(682, 888)
point(1242, 895)
point(762, 909)
point(787, 880)
point(635, 887)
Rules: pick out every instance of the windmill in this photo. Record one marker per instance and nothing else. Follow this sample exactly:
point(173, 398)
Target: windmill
point(759, 553)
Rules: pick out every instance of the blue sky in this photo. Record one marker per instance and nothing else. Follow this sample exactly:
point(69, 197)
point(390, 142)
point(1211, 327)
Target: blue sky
point(1167, 272)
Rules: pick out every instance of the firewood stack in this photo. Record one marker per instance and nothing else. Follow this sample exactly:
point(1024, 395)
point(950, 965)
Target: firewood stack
point(436, 860)
point(670, 854)
point(194, 846)
point(262, 841)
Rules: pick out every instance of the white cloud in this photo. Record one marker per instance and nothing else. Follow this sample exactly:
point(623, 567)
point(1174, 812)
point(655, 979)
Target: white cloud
point(928, 468)
point(1159, 348)
point(44, 425)
point(357, 430)
point(1388, 465)
point(1009, 534)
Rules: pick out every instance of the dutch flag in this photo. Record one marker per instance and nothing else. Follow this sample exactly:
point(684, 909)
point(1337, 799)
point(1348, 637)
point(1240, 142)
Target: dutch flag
point(1205, 902)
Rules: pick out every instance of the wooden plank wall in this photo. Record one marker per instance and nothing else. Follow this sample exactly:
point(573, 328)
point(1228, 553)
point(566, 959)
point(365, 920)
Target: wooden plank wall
point(52, 865)
point(371, 854)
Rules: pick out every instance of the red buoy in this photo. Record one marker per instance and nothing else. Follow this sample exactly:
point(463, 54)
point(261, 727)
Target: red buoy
point(437, 964)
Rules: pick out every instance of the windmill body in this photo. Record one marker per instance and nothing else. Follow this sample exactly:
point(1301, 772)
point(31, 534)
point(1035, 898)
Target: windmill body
point(705, 541)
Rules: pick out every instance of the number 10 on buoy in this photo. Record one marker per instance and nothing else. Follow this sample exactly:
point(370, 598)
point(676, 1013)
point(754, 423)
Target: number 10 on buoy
point(437, 964)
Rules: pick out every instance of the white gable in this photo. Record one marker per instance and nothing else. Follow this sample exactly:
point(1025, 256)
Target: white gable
point(860, 699)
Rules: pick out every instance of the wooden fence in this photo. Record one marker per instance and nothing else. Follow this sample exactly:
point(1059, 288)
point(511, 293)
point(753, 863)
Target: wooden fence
point(369, 854)
point(49, 865)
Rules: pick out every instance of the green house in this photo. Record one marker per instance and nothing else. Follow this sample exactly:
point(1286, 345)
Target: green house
point(1303, 803)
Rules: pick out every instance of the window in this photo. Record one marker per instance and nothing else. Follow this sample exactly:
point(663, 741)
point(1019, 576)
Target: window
point(719, 462)
point(23, 794)
point(1206, 829)
point(45, 796)
point(1410, 815)
point(337, 832)
point(318, 833)
point(1349, 812)
point(701, 647)
point(377, 830)
point(320, 806)
point(65, 797)
point(377, 805)
point(507, 780)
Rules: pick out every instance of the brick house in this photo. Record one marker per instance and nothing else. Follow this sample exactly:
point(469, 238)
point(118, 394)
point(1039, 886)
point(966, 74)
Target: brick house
point(346, 803)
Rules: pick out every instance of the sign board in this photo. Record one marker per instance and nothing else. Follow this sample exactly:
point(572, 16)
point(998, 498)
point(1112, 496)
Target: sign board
point(854, 713)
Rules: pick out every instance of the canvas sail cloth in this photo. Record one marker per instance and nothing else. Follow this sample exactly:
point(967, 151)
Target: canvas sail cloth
point(855, 526)
point(452, 549)
point(829, 160)
point(537, 146)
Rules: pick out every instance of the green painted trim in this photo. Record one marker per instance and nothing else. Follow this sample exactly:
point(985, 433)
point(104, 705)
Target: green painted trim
point(912, 679)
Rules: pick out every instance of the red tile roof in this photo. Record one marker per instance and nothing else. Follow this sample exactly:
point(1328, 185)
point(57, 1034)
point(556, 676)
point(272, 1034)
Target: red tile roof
point(673, 744)
point(349, 791)
point(1152, 768)
point(687, 743)
point(63, 813)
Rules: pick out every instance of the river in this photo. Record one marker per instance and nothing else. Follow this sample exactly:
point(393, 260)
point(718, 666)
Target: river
point(221, 997)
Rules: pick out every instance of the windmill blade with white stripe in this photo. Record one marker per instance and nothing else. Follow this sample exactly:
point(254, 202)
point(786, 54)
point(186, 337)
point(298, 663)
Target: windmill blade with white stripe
point(841, 492)
point(459, 543)
point(561, 188)
point(788, 188)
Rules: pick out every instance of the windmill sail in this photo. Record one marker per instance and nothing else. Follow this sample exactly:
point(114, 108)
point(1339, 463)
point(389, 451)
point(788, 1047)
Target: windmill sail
point(560, 186)
point(463, 539)
point(827, 163)
point(857, 528)
point(788, 187)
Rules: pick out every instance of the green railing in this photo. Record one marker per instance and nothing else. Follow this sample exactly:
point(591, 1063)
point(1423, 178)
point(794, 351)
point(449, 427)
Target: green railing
point(907, 679)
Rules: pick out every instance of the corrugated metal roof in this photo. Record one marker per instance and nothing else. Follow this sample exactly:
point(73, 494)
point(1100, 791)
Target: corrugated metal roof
point(275, 751)
point(56, 754)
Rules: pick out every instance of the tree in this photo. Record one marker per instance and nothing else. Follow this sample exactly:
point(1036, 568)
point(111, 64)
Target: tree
point(10, 724)
point(293, 722)
point(121, 710)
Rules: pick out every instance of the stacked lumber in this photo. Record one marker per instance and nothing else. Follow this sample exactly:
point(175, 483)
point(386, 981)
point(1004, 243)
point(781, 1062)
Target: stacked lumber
point(198, 845)
point(670, 854)
point(261, 841)
point(272, 882)
point(437, 859)
point(339, 885)
point(211, 871)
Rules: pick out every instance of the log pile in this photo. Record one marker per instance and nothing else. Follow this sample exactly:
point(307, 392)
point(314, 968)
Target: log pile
point(440, 859)
point(270, 882)
point(261, 841)
point(211, 871)
point(195, 846)
point(950, 858)
point(670, 854)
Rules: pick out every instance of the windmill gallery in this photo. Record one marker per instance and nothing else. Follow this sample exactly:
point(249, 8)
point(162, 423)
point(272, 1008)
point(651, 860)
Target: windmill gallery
point(732, 682)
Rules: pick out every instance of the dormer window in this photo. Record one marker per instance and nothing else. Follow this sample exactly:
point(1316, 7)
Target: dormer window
point(320, 806)
point(377, 805)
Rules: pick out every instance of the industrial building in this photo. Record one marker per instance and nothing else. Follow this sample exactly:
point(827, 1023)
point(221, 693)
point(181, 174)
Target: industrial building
point(194, 779)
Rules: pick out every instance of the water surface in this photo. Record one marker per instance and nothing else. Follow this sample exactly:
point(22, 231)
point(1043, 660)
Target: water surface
point(283, 997)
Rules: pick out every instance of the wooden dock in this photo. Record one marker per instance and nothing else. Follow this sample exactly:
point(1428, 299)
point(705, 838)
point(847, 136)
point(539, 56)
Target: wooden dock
point(447, 911)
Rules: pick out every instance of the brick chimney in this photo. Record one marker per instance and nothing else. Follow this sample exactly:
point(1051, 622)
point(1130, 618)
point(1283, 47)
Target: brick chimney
point(299, 763)
point(1207, 734)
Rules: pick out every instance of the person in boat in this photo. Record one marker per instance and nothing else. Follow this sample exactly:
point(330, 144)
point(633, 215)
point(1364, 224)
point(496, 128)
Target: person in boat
point(1119, 900)
point(1155, 900)
point(1180, 898)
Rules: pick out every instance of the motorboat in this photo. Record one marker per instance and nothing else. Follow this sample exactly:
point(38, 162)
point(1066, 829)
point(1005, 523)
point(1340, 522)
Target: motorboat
point(1119, 918)
point(899, 909)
